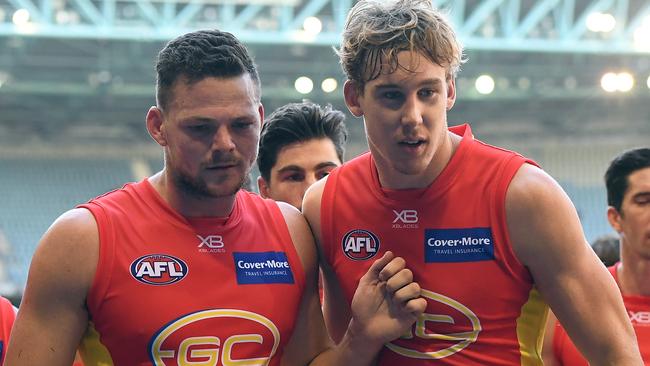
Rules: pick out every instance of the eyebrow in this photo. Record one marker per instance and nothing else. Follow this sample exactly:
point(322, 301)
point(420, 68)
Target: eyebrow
point(293, 168)
point(207, 119)
point(326, 164)
point(290, 168)
point(196, 119)
point(432, 81)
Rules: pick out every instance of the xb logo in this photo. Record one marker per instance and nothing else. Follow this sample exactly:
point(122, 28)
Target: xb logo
point(406, 216)
point(641, 317)
point(211, 241)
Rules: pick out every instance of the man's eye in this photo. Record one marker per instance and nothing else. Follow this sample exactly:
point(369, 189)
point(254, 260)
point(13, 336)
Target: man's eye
point(427, 92)
point(294, 178)
point(643, 201)
point(199, 128)
point(243, 125)
point(323, 174)
point(391, 95)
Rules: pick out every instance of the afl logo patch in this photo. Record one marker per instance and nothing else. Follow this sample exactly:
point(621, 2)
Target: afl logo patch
point(158, 269)
point(360, 244)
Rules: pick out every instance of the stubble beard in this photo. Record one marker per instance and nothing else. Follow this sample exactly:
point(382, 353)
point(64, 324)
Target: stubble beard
point(198, 188)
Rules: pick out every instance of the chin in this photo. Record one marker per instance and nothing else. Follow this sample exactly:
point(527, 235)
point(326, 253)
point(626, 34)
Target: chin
point(201, 188)
point(224, 189)
point(411, 170)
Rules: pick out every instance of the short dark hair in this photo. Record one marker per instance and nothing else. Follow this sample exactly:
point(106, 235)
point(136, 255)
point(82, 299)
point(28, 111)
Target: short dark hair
point(616, 177)
point(197, 55)
point(298, 122)
point(607, 249)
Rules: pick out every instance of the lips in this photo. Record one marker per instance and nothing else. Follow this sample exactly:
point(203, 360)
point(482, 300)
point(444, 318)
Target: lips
point(413, 143)
point(222, 165)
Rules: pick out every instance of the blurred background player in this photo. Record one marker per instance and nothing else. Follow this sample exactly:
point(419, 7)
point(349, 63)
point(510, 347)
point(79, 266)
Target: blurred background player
point(300, 143)
point(628, 195)
point(487, 233)
point(607, 248)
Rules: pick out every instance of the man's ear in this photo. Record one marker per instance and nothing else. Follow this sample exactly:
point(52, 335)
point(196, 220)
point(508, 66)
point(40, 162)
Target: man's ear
point(451, 93)
point(614, 218)
point(260, 110)
point(263, 187)
point(155, 125)
point(351, 95)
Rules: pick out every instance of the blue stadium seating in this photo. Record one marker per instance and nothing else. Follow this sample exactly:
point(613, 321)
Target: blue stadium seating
point(36, 192)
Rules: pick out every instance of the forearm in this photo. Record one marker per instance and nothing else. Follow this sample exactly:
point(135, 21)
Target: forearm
point(34, 344)
point(352, 350)
point(626, 354)
point(632, 359)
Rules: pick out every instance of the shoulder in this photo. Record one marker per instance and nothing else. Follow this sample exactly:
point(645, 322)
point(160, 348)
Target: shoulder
point(301, 235)
point(76, 227)
point(69, 249)
point(529, 185)
point(541, 218)
point(311, 205)
point(313, 196)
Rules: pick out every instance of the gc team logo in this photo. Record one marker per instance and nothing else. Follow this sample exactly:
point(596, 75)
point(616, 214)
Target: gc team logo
point(360, 244)
point(437, 345)
point(158, 269)
point(185, 341)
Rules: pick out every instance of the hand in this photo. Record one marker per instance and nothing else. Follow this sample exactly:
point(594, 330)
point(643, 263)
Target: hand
point(387, 302)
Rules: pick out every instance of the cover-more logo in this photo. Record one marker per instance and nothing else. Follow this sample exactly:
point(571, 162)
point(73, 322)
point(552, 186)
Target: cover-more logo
point(211, 244)
point(405, 219)
point(360, 244)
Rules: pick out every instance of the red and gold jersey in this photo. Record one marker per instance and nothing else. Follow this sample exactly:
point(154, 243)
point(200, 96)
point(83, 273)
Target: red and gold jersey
point(638, 309)
point(169, 291)
point(7, 317)
point(482, 306)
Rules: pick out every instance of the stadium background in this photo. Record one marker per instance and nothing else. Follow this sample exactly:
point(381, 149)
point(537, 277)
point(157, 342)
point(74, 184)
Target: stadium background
point(565, 82)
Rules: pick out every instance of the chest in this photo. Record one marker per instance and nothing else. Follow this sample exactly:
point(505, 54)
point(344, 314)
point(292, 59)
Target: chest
point(176, 294)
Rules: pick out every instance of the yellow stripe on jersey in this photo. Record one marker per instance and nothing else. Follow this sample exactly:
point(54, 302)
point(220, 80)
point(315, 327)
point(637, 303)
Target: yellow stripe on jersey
point(93, 352)
point(530, 329)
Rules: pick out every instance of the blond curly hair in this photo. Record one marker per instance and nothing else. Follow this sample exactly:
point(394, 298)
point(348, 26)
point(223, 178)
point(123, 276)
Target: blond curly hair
point(376, 31)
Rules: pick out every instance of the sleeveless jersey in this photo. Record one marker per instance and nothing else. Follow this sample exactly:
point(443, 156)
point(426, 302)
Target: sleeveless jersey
point(638, 310)
point(165, 294)
point(7, 317)
point(482, 306)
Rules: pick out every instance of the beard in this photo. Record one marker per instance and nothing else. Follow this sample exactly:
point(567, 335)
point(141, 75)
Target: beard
point(198, 187)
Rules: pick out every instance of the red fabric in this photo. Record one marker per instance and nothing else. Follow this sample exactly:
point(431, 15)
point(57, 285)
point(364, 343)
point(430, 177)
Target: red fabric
point(638, 309)
point(7, 317)
point(476, 303)
point(139, 323)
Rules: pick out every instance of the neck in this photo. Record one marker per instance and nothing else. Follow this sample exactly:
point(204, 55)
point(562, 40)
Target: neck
point(633, 274)
point(441, 157)
point(189, 205)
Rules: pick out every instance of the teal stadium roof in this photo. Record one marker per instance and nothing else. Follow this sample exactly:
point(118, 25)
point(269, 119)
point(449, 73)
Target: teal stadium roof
point(514, 25)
